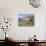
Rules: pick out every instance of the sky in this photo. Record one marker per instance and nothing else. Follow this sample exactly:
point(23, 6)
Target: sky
point(23, 15)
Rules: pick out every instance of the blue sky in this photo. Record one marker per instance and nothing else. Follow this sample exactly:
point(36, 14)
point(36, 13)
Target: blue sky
point(25, 14)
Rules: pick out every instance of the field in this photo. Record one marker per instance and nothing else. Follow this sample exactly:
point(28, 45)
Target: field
point(26, 22)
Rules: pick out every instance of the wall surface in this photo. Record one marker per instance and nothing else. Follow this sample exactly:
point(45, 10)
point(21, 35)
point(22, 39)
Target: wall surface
point(10, 8)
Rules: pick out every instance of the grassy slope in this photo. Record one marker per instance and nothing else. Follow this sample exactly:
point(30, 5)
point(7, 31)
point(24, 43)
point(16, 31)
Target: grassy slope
point(27, 23)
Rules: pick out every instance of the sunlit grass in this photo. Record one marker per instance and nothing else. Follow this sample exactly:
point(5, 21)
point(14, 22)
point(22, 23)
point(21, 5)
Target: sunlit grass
point(25, 24)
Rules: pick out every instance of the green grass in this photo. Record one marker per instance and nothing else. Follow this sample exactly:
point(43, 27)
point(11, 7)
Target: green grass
point(25, 24)
point(30, 23)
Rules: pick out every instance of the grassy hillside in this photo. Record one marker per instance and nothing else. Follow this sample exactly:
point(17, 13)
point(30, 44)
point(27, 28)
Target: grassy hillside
point(29, 23)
